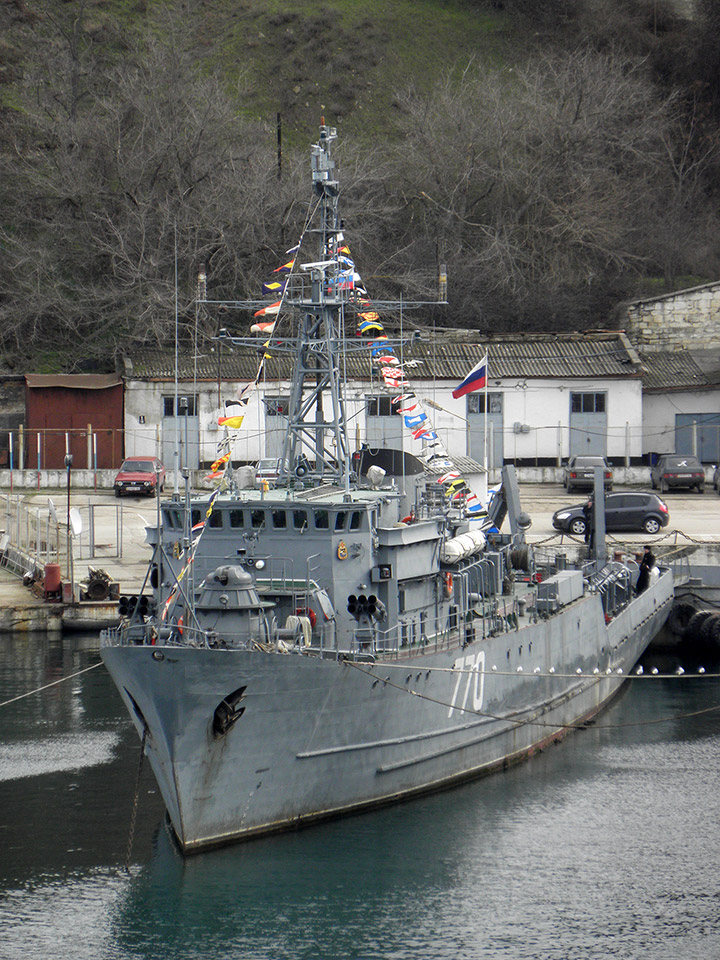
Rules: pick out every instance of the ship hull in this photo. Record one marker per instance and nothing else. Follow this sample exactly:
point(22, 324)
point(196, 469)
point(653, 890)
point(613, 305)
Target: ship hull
point(321, 737)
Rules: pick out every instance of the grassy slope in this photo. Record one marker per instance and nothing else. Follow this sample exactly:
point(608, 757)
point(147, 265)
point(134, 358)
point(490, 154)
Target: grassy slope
point(343, 58)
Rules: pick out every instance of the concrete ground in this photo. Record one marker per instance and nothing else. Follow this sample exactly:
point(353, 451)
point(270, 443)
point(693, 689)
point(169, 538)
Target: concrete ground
point(693, 516)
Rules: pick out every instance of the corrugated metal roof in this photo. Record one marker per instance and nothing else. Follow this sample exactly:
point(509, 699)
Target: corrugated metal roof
point(672, 370)
point(448, 355)
point(553, 356)
point(74, 381)
point(154, 364)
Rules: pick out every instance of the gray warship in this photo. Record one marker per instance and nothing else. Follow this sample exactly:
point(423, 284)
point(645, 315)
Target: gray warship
point(355, 633)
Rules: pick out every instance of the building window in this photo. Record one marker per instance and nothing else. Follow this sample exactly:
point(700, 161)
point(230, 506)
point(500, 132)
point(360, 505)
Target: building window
point(169, 405)
point(277, 406)
point(476, 402)
point(587, 402)
point(381, 407)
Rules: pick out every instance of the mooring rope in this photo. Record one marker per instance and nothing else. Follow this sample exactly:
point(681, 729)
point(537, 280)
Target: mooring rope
point(30, 693)
point(525, 721)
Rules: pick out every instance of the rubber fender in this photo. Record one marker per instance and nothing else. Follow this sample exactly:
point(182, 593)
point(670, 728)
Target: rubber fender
point(706, 629)
point(692, 631)
point(680, 617)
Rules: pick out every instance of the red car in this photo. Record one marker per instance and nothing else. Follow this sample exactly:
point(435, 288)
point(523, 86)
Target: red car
point(139, 475)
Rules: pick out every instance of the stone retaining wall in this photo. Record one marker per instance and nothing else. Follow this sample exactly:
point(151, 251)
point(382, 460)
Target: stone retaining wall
point(686, 319)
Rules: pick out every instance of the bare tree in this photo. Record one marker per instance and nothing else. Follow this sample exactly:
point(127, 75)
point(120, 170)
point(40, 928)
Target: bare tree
point(540, 185)
point(148, 168)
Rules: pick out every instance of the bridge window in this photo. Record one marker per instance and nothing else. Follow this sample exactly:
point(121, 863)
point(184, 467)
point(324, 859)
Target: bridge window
point(236, 518)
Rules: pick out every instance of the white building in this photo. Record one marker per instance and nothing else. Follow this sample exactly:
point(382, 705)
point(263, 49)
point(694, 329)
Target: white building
point(681, 404)
point(677, 336)
point(547, 396)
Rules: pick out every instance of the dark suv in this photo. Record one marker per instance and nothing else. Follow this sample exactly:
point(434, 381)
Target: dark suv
point(672, 470)
point(579, 473)
point(623, 511)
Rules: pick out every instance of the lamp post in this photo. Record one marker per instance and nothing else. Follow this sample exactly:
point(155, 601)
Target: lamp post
point(68, 465)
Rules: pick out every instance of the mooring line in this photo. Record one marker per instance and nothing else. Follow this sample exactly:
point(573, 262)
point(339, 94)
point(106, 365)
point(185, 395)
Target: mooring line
point(48, 685)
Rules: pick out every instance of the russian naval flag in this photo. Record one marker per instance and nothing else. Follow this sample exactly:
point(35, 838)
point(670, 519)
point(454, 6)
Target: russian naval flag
point(475, 380)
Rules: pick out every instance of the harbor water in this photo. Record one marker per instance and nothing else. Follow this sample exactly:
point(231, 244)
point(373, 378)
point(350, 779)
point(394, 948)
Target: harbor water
point(606, 845)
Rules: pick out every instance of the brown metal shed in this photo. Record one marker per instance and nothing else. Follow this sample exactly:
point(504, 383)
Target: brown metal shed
point(66, 411)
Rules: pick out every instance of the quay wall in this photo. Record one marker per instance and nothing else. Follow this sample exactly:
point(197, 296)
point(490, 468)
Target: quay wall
point(103, 479)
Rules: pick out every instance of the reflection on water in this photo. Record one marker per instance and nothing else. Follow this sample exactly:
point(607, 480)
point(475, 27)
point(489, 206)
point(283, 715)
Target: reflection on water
point(70, 751)
point(602, 847)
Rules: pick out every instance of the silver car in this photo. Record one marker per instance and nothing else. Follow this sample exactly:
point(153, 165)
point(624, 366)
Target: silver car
point(579, 473)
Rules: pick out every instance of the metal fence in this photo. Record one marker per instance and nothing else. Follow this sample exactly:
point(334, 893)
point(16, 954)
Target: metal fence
point(33, 535)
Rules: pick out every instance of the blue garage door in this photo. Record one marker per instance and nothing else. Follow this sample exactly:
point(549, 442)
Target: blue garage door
point(588, 424)
point(698, 434)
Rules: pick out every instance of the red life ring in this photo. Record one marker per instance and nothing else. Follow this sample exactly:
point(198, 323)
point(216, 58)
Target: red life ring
point(448, 581)
point(307, 612)
point(180, 626)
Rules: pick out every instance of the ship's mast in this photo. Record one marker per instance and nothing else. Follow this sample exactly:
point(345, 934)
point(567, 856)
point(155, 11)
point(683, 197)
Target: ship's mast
point(316, 445)
point(310, 434)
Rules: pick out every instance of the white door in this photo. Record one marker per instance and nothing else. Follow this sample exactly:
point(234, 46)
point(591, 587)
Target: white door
point(276, 420)
point(588, 424)
point(180, 433)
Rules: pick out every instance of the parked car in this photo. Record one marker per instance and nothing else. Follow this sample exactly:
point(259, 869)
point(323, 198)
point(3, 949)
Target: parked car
point(579, 473)
point(623, 511)
point(716, 479)
point(672, 470)
point(139, 475)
